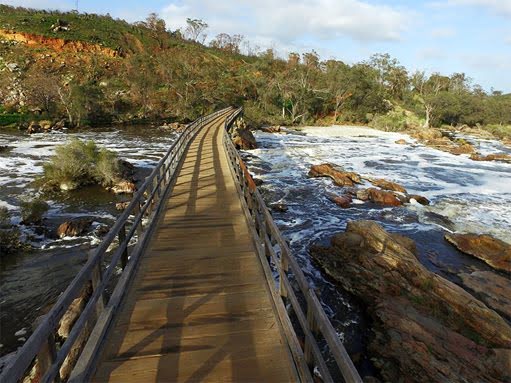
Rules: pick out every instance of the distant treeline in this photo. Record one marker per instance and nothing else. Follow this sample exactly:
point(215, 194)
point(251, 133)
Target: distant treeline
point(155, 73)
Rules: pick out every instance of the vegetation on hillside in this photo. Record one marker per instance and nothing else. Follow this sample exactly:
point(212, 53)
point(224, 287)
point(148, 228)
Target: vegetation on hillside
point(161, 74)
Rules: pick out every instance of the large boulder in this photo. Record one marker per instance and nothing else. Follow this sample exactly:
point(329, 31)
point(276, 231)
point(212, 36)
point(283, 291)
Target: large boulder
point(425, 328)
point(493, 251)
point(242, 137)
point(336, 173)
point(74, 228)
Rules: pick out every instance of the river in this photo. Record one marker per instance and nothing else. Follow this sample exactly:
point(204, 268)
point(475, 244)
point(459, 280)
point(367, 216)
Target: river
point(466, 196)
point(31, 281)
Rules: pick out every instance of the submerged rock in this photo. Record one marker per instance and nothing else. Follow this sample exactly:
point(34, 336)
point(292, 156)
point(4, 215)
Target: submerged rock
point(343, 201)
point(493, 251)
point(493, 289)
point(491, 157)
point(336, 173)
point(425, 328)
point(279, 207)
point(401, 142)
point(74, 228)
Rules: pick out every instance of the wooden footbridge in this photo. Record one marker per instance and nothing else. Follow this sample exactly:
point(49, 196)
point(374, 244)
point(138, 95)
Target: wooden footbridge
point(193, 283)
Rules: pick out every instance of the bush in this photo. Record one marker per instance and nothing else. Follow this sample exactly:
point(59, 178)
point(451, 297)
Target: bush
point(396, 120)
point(9, 236)
point(500, 131)
point(32, 211)
point(81, 163)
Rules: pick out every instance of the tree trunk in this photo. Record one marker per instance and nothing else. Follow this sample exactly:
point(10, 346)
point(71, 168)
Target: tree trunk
point(429, 109)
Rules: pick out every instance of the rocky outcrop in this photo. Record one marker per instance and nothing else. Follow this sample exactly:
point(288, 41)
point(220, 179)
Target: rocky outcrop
point(435, 139)
point(401, 142)
point(271, 129)
point(418, 198)
point(425, 328)
point(279, 207)
point(174, 126)
point(336, 173)
point(491, 288)
point(387, 185)
point(74, 228)
point(122, 205)
point(493, 251)
point(491, 157)
point(45, 126)
point(242, 137)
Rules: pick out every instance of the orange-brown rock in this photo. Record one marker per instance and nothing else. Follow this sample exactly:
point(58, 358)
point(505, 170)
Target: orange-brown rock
point(492, 157)
point(124, 187)
point(343, 201)
point(383, 197)
point(425, 328)
point(73, 228)
point(271, 129)
point(336, 173)
point(388, 185)
point(401, 142)
point(493, 251)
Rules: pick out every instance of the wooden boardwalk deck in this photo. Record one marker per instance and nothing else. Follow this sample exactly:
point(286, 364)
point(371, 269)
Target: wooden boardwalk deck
point(199, 308)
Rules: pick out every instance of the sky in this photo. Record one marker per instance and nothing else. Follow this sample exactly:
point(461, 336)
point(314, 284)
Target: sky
point(446, 36)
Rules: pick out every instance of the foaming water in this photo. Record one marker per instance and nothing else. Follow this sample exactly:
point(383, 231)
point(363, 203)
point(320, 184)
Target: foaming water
point(466, 196)
point(31, 281)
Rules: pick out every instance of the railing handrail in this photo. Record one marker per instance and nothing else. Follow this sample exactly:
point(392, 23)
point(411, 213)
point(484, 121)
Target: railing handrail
point(43, 335)
point(266, 231)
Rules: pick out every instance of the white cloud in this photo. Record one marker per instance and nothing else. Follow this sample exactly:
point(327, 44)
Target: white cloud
point(501, 7)
point(287, 21)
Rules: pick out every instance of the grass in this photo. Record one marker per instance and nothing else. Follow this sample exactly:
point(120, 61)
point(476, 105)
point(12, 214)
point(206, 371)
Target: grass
point(91, 28)
point(33, 211)
point(500, 131)
point(81, 163)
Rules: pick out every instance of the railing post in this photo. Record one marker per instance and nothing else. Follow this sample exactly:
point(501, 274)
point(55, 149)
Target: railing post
point(312, 325)
point(47, 354)
point(122, 239)
point(140, 226)
point(96, 277)
point(284, 264)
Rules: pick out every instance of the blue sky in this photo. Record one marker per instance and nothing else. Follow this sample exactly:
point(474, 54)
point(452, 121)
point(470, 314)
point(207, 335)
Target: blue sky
point(448, 36)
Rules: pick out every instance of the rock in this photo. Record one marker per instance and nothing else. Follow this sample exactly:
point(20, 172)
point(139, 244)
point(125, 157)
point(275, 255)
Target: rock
point(241, 136)
point(258, 181)
point(493, 251)
point(401, 142)
point(124, 187)
point(73, 312)
point(122, 205)
point(343, 201)
point(279, 207)
point(73, 228)
point(493, 289)
point(427, 134)
point(243, 139)
point(492, 157)
point(336, 173)
point(4, 149)
point(127, 169)
point(101, 230)
point(388, 185)
point(270, 129)
point(59, 125)
point(362, 194)
point(383, 197)
point(419, 199)
point(34, 127)
point(174, 126)
point(424, 327)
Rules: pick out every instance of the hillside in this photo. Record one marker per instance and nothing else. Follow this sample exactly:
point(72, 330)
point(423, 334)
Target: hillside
point(92, 69)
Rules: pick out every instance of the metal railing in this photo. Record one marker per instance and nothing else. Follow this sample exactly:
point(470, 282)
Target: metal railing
point(274, 252)
point(92, 324)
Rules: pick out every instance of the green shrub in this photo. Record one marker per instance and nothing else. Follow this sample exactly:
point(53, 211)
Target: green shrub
point(81, 163)
point(32, 211)
point(500, 131)
point(396, 120)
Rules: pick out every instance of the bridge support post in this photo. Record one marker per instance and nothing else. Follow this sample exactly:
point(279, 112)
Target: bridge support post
point(122, 239)
point(312, 325)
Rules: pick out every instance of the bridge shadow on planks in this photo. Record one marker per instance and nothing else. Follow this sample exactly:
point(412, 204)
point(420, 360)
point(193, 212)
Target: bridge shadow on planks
point(199, 308)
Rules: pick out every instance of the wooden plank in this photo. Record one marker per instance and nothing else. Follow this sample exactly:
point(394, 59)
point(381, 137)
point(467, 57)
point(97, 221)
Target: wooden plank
point(200, 308)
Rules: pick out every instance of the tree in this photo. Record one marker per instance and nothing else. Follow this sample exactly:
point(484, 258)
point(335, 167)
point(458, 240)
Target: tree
point(426, 91)
point(390, 74)
point(195, 30)
point(155, 23)
point(227, 42)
